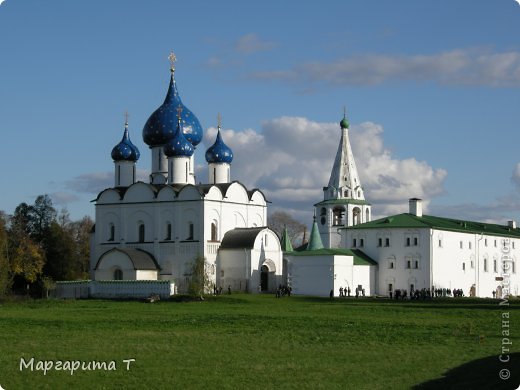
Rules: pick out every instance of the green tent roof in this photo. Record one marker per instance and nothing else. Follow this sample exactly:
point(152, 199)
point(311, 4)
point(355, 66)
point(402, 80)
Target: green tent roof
point(406, 220)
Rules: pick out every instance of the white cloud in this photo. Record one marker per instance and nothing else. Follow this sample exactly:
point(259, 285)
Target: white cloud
point(95, 182)
point(63, 198)
point(515, 177)
point(291, 160)
point(252, 43)
point(458, 67)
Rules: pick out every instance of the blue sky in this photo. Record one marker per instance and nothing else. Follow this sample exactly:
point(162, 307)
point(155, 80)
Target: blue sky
point(432, 91)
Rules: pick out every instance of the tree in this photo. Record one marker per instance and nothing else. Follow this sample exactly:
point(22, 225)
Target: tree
point(60, 253)
point(5, 272)
point(199, 277)
point(27, 259)
point(279, 220)
point(81, 231)
point(42, 215)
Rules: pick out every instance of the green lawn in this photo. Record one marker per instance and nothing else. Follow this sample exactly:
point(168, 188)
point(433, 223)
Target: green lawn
point(250, 341)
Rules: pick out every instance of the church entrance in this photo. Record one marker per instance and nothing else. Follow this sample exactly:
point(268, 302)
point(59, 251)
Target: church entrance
point(264, 278)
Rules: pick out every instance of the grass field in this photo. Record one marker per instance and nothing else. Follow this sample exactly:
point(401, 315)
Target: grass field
point(250, 341)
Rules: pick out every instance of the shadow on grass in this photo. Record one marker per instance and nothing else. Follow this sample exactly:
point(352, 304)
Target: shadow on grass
point(483, 373)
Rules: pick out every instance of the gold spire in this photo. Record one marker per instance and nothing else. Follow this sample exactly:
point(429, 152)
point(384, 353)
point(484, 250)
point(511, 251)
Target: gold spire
point(172, 58)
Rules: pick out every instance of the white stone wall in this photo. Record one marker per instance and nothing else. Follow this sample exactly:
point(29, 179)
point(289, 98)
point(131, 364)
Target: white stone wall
point(114, 289)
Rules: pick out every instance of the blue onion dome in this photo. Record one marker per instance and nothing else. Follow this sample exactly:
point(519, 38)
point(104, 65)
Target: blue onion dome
point(219, 152)
point(160, 126)
point(125, 150)
point(178, 146)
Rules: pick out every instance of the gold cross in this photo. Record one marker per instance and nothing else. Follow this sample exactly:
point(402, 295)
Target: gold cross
point(219, 120)
point(172, 60)
point(126, 118)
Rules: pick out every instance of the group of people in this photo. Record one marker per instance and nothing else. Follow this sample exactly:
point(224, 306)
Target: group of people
point(426, 293)
point(282, 291)
point(218, 291)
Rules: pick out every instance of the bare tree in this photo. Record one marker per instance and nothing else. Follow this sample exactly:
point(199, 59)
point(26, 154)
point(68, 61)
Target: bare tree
point(279, 220)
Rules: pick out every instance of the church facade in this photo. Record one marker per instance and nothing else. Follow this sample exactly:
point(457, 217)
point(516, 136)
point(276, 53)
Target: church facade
point(155, 230)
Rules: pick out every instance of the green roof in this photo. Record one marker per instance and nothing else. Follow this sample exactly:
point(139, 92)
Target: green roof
point(315, 242)
point(286, 241)
point(406, 220)
point(342, 201)
point(360, 258)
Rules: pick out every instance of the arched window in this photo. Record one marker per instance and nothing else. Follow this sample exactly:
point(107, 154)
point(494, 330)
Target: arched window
point(168, 231)
point(338, 215)
point(214, 232)
point(141, 232)
point(191, 230)
point(112, 232)
point(118, 274)
point(356, 216)
point(367, 215)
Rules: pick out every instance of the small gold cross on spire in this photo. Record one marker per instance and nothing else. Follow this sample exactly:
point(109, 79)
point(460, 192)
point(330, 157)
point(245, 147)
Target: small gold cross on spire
point(219, 120)
point(172, 58)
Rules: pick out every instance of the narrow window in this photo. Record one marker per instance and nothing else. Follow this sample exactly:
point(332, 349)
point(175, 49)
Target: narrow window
point(495, 243)
point(485, 241)
point(461, 245)
point(141, 232)
point(214, 232)
point(407, 241)
point(118, 175)
point(354, 242)
point(379, 242)
point(416, 264)
point(214, 175)
point(361, 242)
point(485, 265)
point(415, 241)
point(391, 264)
point(513, 268)
point(494, 266)
point(464, 266)
point(112, 232)
point(440, 243)
point(169, 231)
point(190, 231)
point(387, 242)
point(469, 245)
point(408, 264)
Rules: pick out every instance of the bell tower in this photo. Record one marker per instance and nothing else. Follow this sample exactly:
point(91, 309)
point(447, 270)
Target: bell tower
point(343, 201)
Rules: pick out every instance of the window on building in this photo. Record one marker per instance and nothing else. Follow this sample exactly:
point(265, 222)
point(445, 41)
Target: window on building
point(112, 232)
point(440, 243)
point(387, 242)
point(141, 232)
point(469, 244)
point(485, 265)
point(485, 241)
point(214, 235)
point(346, 193)
point(415, 241)
point(379, 242)
point(407, 241)
point(354, 242)
point(472, 264)
point(464, 266)
point(118, 274)
point(361, 242)
point(168, 231)
point(495, 243)
point(356, 216)
point(391, 265)
point(338, 215)
point(408, 264)
point(191, 230)
point(495, 269)
point(513, 244)
point(513, 267)
point(461, 245)
point(416, 264)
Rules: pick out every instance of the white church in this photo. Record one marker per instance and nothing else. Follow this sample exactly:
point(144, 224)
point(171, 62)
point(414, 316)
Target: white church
point(156, 230)
point(153, 231)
